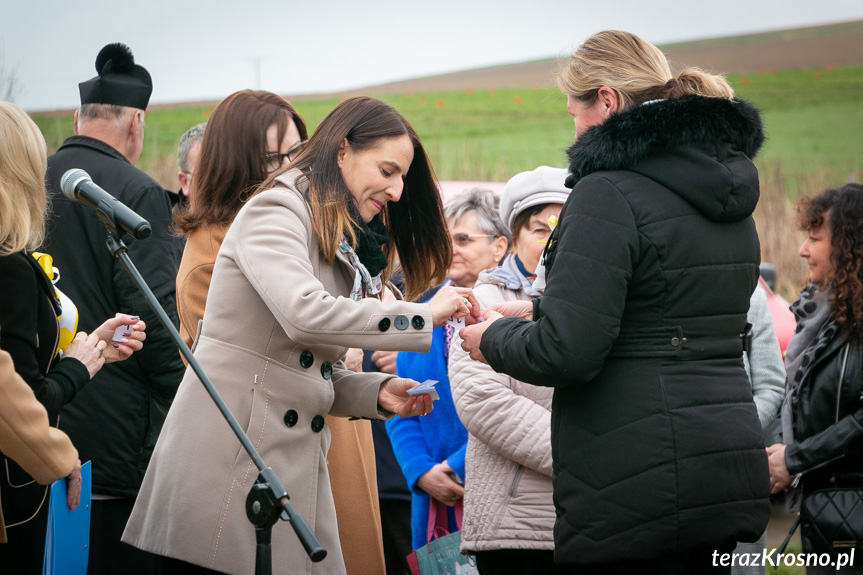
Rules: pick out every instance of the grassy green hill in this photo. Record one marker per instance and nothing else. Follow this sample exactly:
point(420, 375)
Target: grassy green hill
point(813, 118)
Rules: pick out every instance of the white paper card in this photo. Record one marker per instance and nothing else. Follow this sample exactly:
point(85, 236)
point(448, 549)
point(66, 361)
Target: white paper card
point(425, 388)
point(118, 333)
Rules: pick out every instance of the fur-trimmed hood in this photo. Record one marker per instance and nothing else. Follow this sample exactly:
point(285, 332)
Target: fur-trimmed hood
point(700, 148)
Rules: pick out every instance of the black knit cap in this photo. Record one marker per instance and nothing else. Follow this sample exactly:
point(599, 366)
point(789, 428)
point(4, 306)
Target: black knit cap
point(120, 80)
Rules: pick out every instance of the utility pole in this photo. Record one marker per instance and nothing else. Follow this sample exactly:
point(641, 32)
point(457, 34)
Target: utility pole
point(256, 65)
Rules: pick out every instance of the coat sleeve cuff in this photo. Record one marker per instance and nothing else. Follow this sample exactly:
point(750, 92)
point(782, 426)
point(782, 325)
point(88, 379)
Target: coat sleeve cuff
point(71, 375)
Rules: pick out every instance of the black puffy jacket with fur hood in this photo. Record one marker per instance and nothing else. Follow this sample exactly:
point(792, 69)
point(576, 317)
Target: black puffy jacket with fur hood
point(656, 441)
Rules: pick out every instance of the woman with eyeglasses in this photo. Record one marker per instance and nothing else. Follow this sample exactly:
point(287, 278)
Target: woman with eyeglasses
point(431, 450)
point(250, 134)
point(298, 279)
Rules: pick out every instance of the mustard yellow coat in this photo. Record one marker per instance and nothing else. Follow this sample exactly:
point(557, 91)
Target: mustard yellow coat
point(44, 452)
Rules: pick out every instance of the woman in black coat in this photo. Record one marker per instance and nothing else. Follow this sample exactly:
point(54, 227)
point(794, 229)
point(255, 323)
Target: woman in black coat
point(823, 425)
point(658, 459)
point(29, 310)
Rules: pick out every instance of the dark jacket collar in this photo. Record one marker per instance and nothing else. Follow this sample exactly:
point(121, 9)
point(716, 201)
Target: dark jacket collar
point(94, 144)
point(713, 141)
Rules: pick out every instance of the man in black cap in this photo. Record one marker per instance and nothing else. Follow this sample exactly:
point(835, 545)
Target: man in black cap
point(116, 419)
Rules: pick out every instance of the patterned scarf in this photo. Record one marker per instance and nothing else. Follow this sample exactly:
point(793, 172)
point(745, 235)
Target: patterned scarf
point(368, 260)
point(815, 329)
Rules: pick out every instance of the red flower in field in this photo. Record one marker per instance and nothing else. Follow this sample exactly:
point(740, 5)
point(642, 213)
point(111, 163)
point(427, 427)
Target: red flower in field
point(469, 90)
point(518, 100)
point(745, 79)
point(440, 104)
point(492, 92)
point(817, 73)
point(422, 101)
point(828, 69)
point(410, 94)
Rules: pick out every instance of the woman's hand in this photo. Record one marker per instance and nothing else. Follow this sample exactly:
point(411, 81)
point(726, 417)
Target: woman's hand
point(385, 361)
point(88, 350)
point(451, 301)
point(472, 335)
point(73, 487)
point(779, 476)
point(517, 308)
point(442, 483)
point(132, 341)
point(394, 397)
point(354, 359)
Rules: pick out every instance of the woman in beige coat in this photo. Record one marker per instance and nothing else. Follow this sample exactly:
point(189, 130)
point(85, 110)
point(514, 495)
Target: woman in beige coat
point(297, 280)
point(250, 135)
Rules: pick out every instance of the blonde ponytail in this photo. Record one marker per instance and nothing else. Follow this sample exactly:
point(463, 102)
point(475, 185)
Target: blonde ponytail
point(635, 69)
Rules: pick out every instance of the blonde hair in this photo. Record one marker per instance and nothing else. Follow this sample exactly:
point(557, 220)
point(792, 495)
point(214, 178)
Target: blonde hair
point(635, 69)
point(23, 161)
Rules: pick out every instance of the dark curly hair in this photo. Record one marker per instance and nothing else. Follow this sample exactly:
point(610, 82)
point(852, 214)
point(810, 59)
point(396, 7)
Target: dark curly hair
point(842, 210)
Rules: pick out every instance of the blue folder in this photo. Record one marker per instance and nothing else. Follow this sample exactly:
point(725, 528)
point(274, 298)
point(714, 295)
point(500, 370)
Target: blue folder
point(67, 541)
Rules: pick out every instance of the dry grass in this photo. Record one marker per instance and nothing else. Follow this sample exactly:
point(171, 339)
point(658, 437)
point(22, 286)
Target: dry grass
point(776, 216)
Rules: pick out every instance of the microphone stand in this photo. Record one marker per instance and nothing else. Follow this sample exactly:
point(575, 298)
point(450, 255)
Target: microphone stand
point(267, 500)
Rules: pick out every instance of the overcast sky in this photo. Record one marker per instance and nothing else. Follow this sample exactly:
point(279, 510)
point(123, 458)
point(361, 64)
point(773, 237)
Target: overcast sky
point(205, 50)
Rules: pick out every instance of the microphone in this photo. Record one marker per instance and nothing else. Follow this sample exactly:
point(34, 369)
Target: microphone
point(120, 219)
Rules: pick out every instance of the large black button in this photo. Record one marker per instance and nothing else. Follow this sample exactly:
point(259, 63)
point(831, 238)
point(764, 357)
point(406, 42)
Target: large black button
point(327, 370)
point(384, 324)
point(317, 423)
point(307, 358)
point(418, 321)
point(291, 418)
point(401, 322)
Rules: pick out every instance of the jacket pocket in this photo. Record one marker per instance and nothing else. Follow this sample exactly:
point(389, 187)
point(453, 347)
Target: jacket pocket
point(15, 476)
point(257, 418)
point(648, 342)
point(516, 479)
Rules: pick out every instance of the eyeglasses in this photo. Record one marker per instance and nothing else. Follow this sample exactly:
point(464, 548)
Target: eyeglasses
point(276, 160)
point(464, 240)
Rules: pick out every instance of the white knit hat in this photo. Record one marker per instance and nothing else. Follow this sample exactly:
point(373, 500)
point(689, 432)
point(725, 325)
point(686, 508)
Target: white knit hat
point(543, 185)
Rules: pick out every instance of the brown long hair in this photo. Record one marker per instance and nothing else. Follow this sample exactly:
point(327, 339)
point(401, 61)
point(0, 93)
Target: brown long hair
point(232, 163)
point(417, 228)
point(841, 210)
point(635, 69)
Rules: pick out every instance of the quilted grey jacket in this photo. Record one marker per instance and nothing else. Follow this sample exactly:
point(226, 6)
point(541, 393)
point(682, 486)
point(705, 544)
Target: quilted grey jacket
point(508, 494)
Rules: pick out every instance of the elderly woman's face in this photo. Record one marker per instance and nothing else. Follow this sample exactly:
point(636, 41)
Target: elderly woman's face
point(529, 241)
point(472, 250)
point(816, 251)
point(375, 176)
